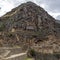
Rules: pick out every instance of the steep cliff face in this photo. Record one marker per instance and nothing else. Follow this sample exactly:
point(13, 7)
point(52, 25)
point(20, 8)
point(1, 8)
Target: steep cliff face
point(28, 23)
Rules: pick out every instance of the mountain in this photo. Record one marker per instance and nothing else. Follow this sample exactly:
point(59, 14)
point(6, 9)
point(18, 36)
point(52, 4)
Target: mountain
point(28, 24)
point(30, 15)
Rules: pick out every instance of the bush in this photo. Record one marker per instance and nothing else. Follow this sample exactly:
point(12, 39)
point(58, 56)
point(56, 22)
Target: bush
point(57, 55)
point(10, 34)
point(2, 26)
point(31, 53)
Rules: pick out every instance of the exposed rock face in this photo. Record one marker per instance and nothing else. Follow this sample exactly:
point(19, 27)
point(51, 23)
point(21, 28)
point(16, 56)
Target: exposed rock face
point(57, 28)
point(27, 22)
point(29, 16)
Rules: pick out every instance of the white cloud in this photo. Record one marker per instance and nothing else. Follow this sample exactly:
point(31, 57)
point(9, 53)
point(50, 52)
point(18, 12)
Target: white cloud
point(54, 14)
point(42, 5)
point(5, 6)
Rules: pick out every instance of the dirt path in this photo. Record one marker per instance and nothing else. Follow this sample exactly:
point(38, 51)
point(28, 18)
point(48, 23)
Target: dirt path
point(7, 53)
point(15, 55)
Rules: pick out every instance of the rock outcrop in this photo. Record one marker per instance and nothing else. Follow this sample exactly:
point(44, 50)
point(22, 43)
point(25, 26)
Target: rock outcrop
point(28, 24)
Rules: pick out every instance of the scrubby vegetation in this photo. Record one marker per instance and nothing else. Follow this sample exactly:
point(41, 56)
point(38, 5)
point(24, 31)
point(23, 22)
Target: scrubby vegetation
point(2, 26)
point(31, 53)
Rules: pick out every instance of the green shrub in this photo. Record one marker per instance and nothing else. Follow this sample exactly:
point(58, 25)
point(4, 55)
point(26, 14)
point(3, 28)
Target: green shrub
point(2, 26)
point(31, 53)
point(10, 34)
point(57, 55)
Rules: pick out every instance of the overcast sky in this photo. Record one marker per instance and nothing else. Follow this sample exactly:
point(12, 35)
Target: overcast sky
point(51, 6)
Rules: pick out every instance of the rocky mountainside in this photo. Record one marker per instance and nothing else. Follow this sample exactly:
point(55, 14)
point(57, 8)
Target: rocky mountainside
point(30, 16)
point(28, 24)
point(57, 28)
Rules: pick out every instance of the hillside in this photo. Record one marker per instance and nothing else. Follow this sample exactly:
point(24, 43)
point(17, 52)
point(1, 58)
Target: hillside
point(29, 24)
